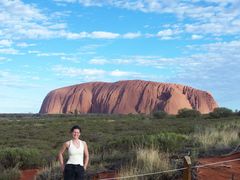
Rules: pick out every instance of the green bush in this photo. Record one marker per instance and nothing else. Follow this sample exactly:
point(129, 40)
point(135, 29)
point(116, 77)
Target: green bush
point(168, 141)
point(159, 114)
point(221, 112)
point(52, 172)
point(10, 174)
point(185, 113)
point(22, 157)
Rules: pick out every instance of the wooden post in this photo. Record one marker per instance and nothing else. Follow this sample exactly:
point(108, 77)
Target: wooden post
point(187, 172)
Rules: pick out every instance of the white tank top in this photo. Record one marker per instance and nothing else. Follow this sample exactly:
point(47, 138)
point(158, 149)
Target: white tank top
point(76, 154)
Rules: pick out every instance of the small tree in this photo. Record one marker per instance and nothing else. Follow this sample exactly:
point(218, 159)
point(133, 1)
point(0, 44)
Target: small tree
point(160, 114)
point(237, 112)
point(221, 112)
point(184, 113)
point(75, 112)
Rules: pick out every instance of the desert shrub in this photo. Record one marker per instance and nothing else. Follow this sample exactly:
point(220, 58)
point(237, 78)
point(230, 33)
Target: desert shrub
point(168, 141)
point(147, 160)
point(185, 113)
point(22, 157)
point(10, 174)
point(159, 114)
point(128, 170)
point(151, 159)
point(220, 136)
point(52, 172)
point(221, 112)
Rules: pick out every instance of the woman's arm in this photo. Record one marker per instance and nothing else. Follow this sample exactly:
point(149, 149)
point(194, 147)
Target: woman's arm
point(86, 156)
point(60, 155)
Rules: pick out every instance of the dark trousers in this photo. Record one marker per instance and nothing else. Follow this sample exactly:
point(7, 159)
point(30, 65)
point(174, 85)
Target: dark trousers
point(73, 172)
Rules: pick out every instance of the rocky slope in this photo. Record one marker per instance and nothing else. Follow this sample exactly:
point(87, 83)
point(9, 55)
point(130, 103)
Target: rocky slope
point(124, 97)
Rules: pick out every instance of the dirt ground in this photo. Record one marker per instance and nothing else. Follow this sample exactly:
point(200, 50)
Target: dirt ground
point(28, 174)
point(223, 171)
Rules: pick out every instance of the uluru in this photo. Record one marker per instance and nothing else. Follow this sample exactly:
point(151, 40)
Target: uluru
point(125, 97)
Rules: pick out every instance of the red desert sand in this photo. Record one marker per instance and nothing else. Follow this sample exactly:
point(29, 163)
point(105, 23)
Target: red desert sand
point(28, 174)
point(222, 171)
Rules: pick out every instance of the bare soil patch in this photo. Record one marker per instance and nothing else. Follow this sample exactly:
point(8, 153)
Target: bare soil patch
point(28, 174)
point(222, 171)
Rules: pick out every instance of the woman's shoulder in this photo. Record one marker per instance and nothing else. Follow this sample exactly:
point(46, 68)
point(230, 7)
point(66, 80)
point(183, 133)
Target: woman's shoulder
point(67, 143)
point(84, 142)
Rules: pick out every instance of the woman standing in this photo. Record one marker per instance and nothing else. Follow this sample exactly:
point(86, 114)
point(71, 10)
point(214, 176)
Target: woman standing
point(78, 156)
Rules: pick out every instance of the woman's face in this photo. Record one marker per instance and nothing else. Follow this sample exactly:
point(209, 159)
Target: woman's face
point(76, 133)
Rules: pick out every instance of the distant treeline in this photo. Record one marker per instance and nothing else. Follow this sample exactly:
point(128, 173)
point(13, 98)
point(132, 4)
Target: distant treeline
point(182, 113)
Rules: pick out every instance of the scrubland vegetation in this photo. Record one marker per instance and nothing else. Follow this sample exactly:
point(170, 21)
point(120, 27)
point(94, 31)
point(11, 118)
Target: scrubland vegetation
point(129, 144)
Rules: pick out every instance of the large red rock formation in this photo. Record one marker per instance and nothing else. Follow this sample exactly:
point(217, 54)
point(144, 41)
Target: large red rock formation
point(124, 97)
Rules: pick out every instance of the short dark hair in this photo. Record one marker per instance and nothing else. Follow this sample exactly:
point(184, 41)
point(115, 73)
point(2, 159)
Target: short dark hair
point(75, 127)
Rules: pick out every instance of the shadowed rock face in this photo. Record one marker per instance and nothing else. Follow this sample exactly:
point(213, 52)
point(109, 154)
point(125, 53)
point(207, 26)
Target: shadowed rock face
point(124, 97)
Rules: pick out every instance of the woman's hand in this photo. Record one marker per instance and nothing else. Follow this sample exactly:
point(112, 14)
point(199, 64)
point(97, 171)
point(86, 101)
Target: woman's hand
point(62, 167)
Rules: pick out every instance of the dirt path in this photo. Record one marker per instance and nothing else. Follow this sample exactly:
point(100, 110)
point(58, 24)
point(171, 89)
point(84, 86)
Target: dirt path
point(28, 174)
point(223, 171)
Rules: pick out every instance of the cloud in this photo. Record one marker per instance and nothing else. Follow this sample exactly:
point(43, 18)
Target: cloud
point(9, 51)
point(19, 10)
point(35, 78)
point(90, 2)
point(90, 49)
point(70, 58)
point(51, 54)
point(222, 49)
point(102, 34)
point(26, 21)
point(213, 65)
point(24, 44)
point(216, 29)
point(8, 79)
point(66, 1)
point(70, 35)
point(215, 17)
point(93, 74)
point(98, 61)
point(33, 52)
point(167, 34)
point(131, 35)
point(73, 72)
point(98, 35)
point(5, 42)
point(58, 26)
point(196, 37)
point(119, 73)
point(3, 58)
point(21, 20)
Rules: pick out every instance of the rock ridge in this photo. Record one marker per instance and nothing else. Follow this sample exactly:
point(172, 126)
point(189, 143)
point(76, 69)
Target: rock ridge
point(124, 97)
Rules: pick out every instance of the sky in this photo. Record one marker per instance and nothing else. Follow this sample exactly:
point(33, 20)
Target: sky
point(50, 44)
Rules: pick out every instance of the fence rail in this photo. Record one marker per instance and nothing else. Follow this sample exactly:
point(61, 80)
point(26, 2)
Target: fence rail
point(187, 169)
